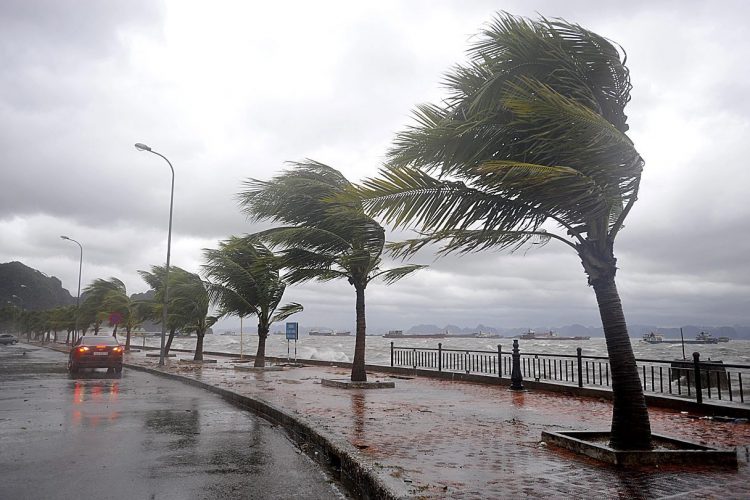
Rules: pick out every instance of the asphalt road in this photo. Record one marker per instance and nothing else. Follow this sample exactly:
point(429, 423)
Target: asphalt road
point(136, 437)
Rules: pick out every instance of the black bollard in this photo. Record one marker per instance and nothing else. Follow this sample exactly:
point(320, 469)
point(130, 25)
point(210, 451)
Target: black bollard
point(697, 368)
point(516, 379)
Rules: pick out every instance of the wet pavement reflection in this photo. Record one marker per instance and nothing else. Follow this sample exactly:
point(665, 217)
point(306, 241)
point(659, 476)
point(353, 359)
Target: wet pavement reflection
point(97, 435)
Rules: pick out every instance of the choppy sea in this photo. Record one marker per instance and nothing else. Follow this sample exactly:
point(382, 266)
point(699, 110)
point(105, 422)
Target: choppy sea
point(341, 349)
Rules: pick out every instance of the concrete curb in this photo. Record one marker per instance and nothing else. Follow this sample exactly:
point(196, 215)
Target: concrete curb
point(337, 455)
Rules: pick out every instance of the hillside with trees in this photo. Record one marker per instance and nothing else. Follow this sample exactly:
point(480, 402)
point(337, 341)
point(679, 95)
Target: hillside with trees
point(27, 288)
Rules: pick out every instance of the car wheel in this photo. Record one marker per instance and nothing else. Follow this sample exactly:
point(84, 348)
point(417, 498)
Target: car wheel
point(118, 369)
point(72, 368)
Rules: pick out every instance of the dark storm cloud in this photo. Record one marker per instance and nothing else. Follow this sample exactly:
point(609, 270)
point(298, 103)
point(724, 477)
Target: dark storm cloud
point(233, 90)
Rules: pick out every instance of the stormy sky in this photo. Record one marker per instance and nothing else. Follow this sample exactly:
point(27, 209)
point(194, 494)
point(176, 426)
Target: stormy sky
point(231, 90)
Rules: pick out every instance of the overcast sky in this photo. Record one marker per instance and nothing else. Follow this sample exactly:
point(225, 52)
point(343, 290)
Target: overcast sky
point(232, 90)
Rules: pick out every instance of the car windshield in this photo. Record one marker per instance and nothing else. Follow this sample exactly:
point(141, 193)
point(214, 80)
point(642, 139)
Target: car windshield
point(103, 340)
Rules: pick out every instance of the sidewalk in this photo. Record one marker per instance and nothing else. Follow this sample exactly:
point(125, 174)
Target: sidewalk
point(437, 439)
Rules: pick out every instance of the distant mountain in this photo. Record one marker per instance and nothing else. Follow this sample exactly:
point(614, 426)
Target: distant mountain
point(28, 288)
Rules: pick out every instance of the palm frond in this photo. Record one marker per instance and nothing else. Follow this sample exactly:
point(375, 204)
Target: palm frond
point(285, 311)
point(390, 276)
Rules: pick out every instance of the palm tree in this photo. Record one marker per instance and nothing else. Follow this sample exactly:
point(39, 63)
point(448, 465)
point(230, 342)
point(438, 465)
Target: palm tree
point(189, 302)
point(244, 277)
point(327, 235)
point(96, 305)
point(155, 279)
point(529, 147)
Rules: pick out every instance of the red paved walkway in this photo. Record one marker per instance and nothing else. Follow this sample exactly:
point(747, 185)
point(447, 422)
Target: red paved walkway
point(440, 439)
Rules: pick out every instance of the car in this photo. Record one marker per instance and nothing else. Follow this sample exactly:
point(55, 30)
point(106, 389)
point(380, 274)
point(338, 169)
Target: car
point(97, 351)
point(7, 338)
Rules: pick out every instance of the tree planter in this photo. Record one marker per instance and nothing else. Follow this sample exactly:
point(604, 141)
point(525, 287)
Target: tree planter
point(666, 451)
point(243, 368)
point(348, 384)
point(198, 362)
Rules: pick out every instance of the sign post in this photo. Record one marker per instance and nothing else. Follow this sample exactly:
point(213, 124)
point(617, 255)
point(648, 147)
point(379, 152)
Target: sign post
point(292, 333)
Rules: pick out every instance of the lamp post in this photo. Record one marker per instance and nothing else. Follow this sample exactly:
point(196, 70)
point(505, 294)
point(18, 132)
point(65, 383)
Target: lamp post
point(143, 147)
point(78, 297)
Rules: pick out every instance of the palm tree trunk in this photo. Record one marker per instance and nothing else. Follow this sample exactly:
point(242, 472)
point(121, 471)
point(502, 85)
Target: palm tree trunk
point(260, 356)
point(631, 428)
point(358, 367)
point(169, 341)
point(127, 338)
point(199, 347)
point(114, 332)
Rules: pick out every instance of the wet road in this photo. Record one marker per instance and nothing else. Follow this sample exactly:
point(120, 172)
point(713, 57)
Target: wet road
point(137, 436)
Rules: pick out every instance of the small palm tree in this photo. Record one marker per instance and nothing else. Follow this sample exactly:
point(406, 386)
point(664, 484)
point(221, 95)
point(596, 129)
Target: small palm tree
point(326, 236)
point(189, 302)
point(244, 280)
point(529, 147)
point(100, 295)
point(153, 309)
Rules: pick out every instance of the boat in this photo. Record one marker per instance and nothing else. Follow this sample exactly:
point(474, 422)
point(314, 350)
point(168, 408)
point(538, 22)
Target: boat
point(723, 339)
point(701, 338)
point(328, 333)
point(399, 334)
point(321, 333)
point(532, 335)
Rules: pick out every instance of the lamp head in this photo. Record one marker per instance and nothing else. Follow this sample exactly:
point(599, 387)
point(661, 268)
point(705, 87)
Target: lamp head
point(64, 237)
point(142, 147)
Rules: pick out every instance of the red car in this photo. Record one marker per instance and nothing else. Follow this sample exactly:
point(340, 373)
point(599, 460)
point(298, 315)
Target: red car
point(96, 352)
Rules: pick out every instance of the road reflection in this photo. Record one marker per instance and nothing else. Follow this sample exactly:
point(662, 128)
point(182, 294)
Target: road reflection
point(91, 403)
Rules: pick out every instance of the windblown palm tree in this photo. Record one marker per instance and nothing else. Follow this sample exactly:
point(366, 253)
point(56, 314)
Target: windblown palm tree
point(244, 280)
point(103, 297)
point(529, 147)
point(189, 301)
point(326, 236)
point(153, 310)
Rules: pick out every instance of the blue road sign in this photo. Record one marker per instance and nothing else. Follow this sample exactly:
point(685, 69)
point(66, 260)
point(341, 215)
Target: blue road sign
point(292, 331)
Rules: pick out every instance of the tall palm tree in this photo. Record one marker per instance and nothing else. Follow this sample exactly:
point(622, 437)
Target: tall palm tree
point(244, 280)
point(529, 147)
point(326, 235)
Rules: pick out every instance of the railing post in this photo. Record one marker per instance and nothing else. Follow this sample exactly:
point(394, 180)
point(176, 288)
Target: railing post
point(391, 354)
point(440, 356)
point(499, 361)
point(697, 366)
point(516, 379)
point(580, 367)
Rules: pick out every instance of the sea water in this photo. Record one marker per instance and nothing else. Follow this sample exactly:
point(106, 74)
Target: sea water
point(341, 349)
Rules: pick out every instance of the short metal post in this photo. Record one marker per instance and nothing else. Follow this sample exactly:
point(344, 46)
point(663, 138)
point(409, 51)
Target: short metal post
point(499, 361)
point(697, 366)
point(440, 357)
point(391, 354)
point(516, 379)
point(580, 367)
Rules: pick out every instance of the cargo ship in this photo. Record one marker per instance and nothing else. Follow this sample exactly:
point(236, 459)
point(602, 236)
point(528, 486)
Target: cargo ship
point(532, 335)
point(328, 333)
point(701, 338)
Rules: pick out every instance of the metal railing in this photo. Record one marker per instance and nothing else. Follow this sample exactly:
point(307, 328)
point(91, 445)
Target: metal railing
point(693, 379)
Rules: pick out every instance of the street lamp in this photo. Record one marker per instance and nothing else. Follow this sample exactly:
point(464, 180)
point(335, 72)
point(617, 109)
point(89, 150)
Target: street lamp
point(143, 147)
point(78, 297)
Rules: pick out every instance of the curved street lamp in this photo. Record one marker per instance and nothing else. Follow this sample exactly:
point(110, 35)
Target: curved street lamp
point(78, 297)
point(142, 147)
